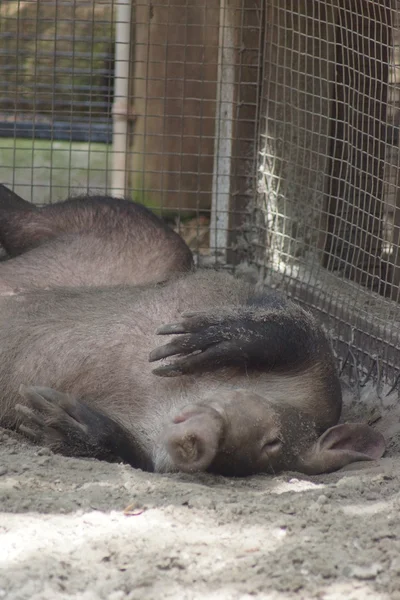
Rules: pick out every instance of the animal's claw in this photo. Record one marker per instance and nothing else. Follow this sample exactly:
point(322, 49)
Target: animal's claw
point(168, 371)
point(171, 328)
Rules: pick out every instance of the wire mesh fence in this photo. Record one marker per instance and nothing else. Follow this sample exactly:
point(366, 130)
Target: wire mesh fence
point(267, 132)
point(329, 170)
point(56, 66)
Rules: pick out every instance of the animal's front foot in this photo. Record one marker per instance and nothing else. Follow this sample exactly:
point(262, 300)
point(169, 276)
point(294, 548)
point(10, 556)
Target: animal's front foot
point(52, 419)
point(204, 343)
point(69, 426)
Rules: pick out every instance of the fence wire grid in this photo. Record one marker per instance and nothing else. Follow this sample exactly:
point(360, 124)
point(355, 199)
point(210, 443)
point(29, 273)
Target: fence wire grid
point(265, 131)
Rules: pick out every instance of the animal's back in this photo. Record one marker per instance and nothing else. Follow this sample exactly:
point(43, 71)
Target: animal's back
point(87, 241)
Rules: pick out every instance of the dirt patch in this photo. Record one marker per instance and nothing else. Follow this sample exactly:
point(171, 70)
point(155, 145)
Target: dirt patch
point(64, 534)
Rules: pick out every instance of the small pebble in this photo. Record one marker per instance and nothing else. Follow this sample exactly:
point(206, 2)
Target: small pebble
point(44, 452)
point(395, 566)
point(118, 595)
point(366, 572)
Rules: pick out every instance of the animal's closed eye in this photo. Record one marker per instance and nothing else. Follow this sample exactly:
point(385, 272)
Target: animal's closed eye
point(272, 446)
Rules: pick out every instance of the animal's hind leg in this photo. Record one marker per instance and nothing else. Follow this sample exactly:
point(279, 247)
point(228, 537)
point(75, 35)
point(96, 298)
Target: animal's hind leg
point(17, 216)
point(70, 427)
point(11, 200)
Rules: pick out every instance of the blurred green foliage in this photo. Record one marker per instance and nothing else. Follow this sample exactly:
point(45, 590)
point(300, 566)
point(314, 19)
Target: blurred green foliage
point(54, 56)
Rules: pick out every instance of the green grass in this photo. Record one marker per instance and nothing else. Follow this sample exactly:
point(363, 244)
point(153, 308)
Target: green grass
point(42, 171)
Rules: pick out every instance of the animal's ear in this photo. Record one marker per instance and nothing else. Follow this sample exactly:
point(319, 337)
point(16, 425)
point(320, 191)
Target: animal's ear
point(341, 445)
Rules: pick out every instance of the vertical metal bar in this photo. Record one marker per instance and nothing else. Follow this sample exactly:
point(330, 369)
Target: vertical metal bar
point(121, 96)
point(222, 170)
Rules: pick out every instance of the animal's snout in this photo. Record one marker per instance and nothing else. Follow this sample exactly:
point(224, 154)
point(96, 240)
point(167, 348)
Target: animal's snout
point(192, 440)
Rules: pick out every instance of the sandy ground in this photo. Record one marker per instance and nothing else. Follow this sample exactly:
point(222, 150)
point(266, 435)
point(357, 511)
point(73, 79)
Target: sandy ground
point(64, 533)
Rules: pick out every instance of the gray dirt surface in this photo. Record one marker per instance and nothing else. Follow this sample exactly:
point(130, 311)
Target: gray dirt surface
point(64, 533)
